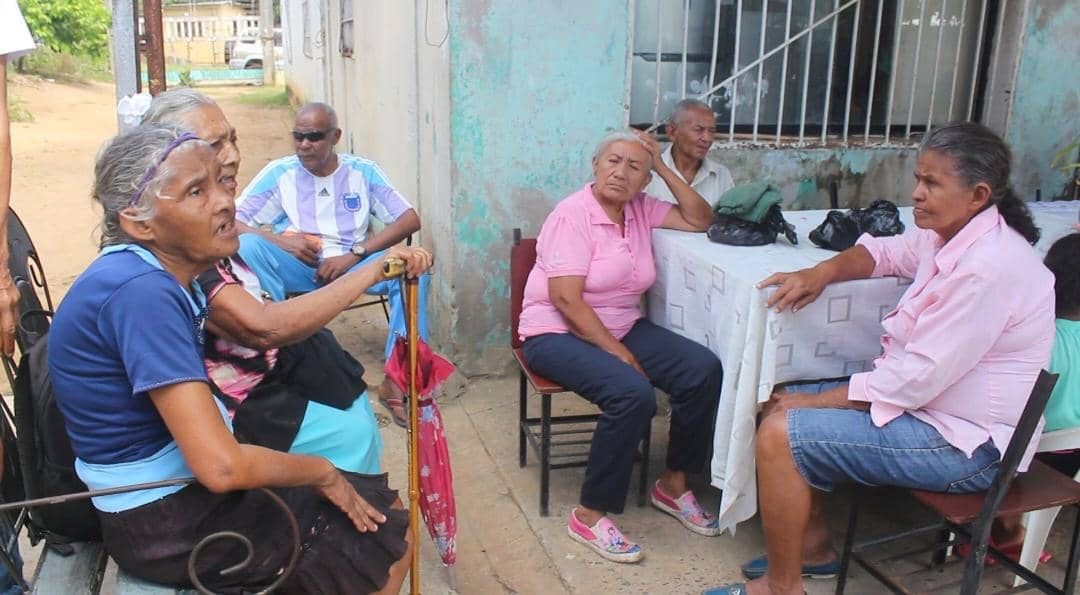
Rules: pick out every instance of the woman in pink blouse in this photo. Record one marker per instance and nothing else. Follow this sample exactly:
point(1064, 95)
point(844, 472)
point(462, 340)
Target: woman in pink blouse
point(960, 354)
point(583, 328)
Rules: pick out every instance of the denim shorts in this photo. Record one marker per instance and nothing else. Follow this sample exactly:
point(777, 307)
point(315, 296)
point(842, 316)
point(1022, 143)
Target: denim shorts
point(833, 446)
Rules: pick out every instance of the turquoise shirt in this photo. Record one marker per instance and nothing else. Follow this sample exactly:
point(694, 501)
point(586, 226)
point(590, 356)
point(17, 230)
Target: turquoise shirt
point(1063, 410)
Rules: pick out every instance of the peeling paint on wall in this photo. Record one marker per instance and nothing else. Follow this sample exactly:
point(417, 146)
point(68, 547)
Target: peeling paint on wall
point(804, 175)
point(531, 92)
point(1046, 99)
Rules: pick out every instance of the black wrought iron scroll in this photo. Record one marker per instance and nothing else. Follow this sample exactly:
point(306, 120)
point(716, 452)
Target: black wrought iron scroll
point(285, 573)
point(203, 543)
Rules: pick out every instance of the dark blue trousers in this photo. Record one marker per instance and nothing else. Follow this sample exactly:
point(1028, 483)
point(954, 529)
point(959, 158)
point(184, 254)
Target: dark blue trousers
point(686, 370)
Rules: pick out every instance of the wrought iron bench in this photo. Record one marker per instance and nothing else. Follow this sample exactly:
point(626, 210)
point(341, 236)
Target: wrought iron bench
point(78, 568)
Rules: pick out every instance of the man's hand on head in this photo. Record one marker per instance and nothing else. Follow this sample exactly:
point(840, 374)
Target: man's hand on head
point(651, 144)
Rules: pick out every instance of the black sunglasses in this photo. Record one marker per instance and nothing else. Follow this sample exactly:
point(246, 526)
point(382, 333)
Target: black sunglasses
point(314, 136)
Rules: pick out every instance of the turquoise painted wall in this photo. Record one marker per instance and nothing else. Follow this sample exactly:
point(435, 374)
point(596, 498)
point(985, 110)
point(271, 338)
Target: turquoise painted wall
point(1046, 105)
point(533, 87)
point(804, 176)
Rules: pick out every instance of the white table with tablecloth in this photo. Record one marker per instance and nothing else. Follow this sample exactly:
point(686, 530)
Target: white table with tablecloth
point(706, 292)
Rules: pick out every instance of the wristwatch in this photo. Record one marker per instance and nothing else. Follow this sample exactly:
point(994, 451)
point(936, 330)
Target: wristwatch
point(358, 248)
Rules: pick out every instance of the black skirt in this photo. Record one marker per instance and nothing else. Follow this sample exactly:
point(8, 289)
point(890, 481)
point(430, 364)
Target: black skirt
point(154, 541)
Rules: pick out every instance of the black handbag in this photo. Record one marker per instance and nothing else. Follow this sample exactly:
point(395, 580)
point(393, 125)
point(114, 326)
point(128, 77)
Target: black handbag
point(315, 369)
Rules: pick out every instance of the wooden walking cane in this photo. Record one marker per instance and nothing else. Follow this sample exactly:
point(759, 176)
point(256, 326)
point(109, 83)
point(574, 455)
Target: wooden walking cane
point(394, 267)
point(412, 335)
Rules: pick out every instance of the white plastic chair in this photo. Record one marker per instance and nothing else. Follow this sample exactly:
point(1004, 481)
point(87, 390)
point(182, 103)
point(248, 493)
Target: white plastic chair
point(1039, 522)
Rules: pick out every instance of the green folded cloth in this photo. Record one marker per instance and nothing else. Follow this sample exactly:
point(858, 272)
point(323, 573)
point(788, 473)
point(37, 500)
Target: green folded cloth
point(748, 201)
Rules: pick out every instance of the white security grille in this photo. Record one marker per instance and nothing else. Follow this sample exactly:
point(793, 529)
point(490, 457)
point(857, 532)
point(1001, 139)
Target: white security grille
point(815, 72)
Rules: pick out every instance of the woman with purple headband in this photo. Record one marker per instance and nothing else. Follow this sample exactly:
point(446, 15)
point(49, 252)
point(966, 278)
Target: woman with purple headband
point(125, 357)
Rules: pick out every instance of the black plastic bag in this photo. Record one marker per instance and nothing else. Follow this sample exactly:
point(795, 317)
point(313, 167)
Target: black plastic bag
point(735, 231)
point(881, 218)
point(839, 231)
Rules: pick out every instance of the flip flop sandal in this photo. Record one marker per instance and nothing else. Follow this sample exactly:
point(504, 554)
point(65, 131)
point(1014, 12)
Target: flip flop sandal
point(393, 402)
point(1012, 551)
point(396, 408)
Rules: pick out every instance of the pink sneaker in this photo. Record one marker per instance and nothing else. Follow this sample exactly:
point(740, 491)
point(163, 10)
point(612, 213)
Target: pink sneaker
point(687, 510)
point(605, 539)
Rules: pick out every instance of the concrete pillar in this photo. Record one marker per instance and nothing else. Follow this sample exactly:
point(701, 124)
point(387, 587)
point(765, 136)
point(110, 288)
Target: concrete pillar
point(266, 26)
point(124, 50)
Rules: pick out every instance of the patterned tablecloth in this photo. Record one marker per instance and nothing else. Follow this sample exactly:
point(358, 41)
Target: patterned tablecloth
point(705, 291)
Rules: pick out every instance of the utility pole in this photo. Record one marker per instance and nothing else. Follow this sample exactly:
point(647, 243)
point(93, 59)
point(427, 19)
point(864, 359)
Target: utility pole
point(266, 23)
point(155, 45)
point(125, 49)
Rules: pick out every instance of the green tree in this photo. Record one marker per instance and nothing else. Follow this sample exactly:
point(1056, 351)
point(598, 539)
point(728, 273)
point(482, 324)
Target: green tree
point(79, 27)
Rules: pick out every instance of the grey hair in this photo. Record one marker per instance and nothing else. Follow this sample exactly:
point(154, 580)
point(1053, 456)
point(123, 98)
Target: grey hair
point(120, 168)
point(618, 136)
point(324, 107)
point(980, 156)
point(678, 113)
point(172, 106)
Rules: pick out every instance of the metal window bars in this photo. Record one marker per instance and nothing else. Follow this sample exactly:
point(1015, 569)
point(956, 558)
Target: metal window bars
point(821, 72)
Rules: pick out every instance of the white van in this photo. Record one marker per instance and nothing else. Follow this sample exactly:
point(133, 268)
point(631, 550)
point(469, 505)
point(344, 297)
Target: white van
point(247, 51)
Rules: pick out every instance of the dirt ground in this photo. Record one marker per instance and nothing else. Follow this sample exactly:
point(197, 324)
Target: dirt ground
point(53, 168)
point(54, 162)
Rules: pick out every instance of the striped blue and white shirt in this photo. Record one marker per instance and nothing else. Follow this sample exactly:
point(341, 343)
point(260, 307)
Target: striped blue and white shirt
point(336, 208)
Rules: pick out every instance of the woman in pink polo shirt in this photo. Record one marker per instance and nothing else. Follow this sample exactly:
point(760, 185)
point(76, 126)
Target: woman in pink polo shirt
point(960, 354)
point(583, 328)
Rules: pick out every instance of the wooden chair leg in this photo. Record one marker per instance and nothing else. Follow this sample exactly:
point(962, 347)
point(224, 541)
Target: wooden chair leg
point(849, 542)
point(523, 414)
point(643, 489)
point(545, 451)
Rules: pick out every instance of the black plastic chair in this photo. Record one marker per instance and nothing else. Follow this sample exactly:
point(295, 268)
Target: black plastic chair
point(970, 515)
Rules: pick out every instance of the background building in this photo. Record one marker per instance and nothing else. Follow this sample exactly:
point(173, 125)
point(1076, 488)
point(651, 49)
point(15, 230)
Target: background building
point(196, 31)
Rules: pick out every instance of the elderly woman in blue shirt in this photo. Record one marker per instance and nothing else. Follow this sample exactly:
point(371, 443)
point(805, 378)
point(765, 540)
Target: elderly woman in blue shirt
point(125, 357)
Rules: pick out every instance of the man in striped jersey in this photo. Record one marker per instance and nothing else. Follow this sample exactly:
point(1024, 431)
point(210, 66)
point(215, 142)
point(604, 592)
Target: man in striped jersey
point(308, 219)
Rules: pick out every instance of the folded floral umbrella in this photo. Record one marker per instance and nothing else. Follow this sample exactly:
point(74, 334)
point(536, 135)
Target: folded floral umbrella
point(431, 482)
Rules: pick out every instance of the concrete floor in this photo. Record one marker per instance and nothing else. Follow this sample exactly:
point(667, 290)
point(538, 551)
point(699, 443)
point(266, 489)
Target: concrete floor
point(505, 546)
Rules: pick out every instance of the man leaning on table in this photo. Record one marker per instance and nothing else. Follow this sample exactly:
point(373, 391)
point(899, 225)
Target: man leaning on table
point(691, 126)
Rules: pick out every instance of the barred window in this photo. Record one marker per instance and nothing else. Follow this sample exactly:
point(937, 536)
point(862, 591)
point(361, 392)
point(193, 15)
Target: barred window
point(798, 72)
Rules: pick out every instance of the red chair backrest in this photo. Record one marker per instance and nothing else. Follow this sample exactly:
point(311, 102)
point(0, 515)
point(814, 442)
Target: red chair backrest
point(522, 259)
